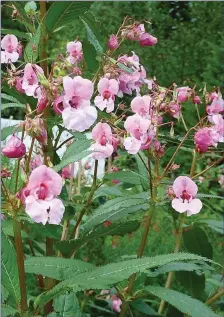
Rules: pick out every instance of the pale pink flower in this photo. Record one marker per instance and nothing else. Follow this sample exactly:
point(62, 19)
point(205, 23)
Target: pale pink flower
point(137, 126)
point(103, 147)
point(19, 82)
point(174, 109)
point(14, 148)
point(141, 105)
point(217, 106)
point(58, 104)
point(218, 122)
point(116, 303)
point(41, 204)
point(113, 42)
point(75, 52)
point(148, 138)
point(147, 39)
point(35, 162)
point(221, 181)
point(204, 138)
point(132, 145)
point(107, 88)
point(78, 114)
point(183, 93)
point(9, 45)
point(185, 190)
point(159, 149)
point(134, 32)
point(30, 79)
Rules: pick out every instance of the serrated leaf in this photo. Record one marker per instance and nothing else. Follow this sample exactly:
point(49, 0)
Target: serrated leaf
point(67, 305)
point(64, 12)
point(182, 302)
point(8, 311)
point(142, 170)
point(31, 54)
point(125, 177)
point(57, 268)
point(108, 191)
point(209, 196)
point(6, 106)
point(117, 208)
point(118, 229)
point(5, 132)
point(10, 277)
point(75, 152)
point(192, 282)
point(113, 273)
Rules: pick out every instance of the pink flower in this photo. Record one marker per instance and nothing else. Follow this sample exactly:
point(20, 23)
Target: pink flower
point(9, 44)
point(137, 126)
point(217, 106)
point(113, 42)
point(221, 181)
point(185, 190)
point(66, 172)
point(107, 88)
point(78, 114)
point(218, 122)
point(75, 52)
point(103, 147)
point(58, 104)
point(42, 99)
point(19, 82)
point(14, 148)
point(141, 105)
point(197, 100)
point(183, 94)
point(174, 109)
point(116, 303)
point(132, 145)
point(30, 79)
point(159, 149)
point(133, 33)
point(40, 195)
point(35, 162)
point(204, 138)
point(147, 39)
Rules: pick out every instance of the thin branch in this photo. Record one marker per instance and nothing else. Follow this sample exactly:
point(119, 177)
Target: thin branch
point(208, 168)
point(64, 142)
point(214, 298)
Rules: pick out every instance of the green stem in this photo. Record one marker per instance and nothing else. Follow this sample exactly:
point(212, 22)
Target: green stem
point(20, 264)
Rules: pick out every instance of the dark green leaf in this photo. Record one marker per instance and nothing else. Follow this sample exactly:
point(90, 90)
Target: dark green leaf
point(67, 305)
point(90, 55)
point(192, 282)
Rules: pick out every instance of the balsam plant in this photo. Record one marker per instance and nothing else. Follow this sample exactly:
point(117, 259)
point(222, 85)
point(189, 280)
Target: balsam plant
point(51, 209)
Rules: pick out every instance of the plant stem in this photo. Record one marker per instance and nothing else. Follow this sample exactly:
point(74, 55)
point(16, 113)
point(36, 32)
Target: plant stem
point(214, 298)
point(208, 168)
point(20, 264)
point(178, 238)
point(18, 163)
point(30, 154)
point(184, 123)
point(43, 55)
point(153, 195)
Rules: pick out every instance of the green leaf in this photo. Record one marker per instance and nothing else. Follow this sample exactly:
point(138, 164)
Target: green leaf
point(8, 311)
point(216, 225)
point(209, 196)
point(125, 177)
point(118, 229)
point(124, 68)
point(10, 278)
point(108, 191)
point(19, 34)
point(57, 268)
point(19, 7)
point(142, 170)
point(31, 55)
point(92, 31)
point(9, 97)
point(5, 132)
point(182, 302)
point(196, 241)
point(75, 152)
point(113, 273)
point(142, 307)
point(192, 282)
point(64, 12)
point(117, 208)
point(12, 105)
point(90, 55)
point(67, 305)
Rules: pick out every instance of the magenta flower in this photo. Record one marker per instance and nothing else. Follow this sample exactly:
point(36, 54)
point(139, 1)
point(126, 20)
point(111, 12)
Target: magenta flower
point(113, 42)
point(147, 39)
point(58, 104)
point(14, 148)
point(183, 93)
point(30, 79)
point(174, 109)
point(9, 45)
point(19, 82)
point(185, 190)
point(40, 195)
point(103, 147)
point(116, 303)
point(75, 52)
point(107, 88)
point(78, 114)
point(141, 105)
point(217, 106)
point(204, 138)
point(66, 172)
point(197, 100)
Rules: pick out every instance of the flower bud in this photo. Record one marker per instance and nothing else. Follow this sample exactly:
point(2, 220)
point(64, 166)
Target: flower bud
point(66, 172)
point(170, 192)
point(18, 85)
point(159, 149)
point(113, 42)
point(42, 103)
point(14, 148)
point(196, 100)
point(147, 39)
point(77, 71)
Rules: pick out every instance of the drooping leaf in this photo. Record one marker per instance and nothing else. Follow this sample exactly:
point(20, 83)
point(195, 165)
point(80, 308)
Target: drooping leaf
point(5, 106)
point(182, 302)
point(117, 208)
point(62, 13)
point(110, 274)
point(57, 268)
point(67, 305)
point(118, 229)
point(75, 152)
point(32, 48)
point(10, 277)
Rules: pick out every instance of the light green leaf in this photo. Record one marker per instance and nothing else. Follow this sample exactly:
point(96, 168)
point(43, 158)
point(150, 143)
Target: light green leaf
point(9, 97)
point(57, 268)
point(75, 152)
point(6, 106)
point(67, 305)
point(64, 12)
point(182, 302)
point(10, 278)
point(8, 311)
point(31, 54)
point(125, 177)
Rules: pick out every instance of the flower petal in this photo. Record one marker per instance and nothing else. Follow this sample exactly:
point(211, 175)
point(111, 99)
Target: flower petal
point(178, 205)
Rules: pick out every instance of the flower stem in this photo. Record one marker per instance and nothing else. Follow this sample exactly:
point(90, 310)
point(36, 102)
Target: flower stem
point(214, 298)
point(20, 264)
point(30, 154)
